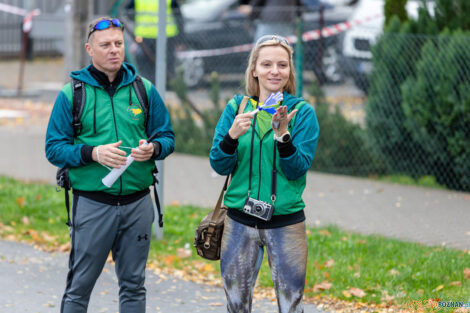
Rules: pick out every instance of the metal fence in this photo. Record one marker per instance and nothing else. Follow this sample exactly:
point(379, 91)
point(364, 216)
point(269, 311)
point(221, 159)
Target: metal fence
point(387, 104)
point(42, 41)
point(48, 32)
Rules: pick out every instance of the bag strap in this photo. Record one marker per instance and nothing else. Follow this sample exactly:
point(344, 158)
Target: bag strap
point(141, 94)
point(78, 102)
point(242, 106)
point(218, 206)
point(156, 198)
point(215, 215)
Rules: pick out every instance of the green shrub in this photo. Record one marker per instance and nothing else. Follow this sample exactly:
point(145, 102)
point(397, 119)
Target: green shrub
point(194, 129)
point(394, 57)
point(453, 14)
point(436, 105)
point(421, 133)
point(342, 147)
point(395, 8)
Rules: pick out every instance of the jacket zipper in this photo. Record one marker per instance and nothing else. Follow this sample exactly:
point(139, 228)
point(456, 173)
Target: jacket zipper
point(117, 137)
point(259, 166)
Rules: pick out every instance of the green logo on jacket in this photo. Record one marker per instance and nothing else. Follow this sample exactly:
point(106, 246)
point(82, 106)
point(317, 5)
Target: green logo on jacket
point(135, 111)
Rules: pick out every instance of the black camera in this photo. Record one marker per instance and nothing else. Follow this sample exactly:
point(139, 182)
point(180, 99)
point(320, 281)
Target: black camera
point(259, 209)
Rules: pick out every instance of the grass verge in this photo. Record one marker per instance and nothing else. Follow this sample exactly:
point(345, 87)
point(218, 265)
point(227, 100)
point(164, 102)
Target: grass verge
point(373, 270)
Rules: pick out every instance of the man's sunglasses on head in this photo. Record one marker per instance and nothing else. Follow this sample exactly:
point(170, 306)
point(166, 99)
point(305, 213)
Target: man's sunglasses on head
point(105, 24)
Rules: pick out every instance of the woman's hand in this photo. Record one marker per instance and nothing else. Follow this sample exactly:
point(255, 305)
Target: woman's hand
point(240, 125)
point(281, 119)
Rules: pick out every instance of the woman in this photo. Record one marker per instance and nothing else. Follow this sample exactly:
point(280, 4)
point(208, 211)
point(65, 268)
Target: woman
point(268, 168)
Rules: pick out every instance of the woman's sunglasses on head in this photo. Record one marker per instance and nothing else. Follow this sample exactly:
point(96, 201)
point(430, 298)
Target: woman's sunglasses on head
point(272, 37)
point(105, 24)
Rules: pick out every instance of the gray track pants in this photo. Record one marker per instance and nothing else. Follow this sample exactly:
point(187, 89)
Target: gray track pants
point(96, 230)
point(241, 257)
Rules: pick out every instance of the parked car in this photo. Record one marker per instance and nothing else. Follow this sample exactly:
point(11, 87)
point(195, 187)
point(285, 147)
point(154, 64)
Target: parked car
point(356, 57)
point(217, 37)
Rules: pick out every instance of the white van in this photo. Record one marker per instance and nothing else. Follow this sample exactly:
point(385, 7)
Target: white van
point(356, 57)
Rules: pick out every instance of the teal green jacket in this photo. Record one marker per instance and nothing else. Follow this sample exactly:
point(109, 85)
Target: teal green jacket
point(291, 176)
point(106, 120)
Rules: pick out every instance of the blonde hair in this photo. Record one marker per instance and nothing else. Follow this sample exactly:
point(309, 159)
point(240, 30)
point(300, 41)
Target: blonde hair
point(252, 84)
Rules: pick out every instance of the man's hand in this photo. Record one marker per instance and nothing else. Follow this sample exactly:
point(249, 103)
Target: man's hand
point(109, 155)
point(142, 153)
point(240, 125)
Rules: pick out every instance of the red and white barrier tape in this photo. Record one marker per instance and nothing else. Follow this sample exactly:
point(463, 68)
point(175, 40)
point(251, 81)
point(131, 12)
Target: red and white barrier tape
point(28, 16)
point(28, 20)
point(13, 10)
point(307, 36)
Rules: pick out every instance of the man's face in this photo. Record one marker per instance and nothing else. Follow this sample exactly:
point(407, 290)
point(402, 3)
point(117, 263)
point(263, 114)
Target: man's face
point(106, 48)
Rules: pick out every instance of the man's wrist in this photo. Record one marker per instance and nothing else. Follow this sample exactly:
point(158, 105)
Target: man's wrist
point(157, 149)
point(87, 153)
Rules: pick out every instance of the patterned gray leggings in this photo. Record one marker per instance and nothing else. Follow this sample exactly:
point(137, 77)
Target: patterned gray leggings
point(241, 257)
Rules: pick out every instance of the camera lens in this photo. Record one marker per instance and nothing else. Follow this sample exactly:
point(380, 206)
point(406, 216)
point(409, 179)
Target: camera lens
point(259, 209)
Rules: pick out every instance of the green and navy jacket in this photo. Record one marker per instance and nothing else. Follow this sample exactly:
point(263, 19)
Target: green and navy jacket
point(105, 120)
point(293, 159)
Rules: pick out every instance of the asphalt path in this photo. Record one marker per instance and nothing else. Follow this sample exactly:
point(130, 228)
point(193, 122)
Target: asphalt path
point(33, 281)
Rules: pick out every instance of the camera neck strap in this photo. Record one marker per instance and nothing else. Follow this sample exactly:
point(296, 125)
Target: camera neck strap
point(274, 171)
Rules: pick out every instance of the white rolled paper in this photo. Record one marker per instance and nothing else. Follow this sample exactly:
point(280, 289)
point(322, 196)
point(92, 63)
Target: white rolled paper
point(115, 173)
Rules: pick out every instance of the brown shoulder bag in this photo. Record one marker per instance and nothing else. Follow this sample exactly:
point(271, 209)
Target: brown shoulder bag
point(208, 239)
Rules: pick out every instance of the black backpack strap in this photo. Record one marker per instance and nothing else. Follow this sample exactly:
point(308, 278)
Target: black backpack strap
point(79, 95)
point(63, 181)
point(141, 94)
point(157, 199)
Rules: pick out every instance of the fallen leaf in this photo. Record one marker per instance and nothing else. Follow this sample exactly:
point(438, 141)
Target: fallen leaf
point(386, 297)
point(346, 293)
point(439, 288)
point(183, 253)
point(20, 201)
point(169, 260)
point(208, 268)
point(25, 220)
point(357, 292)
point(47, 237)
point(324, 232)
point(38, 197)
point(393, 272)
point(466, 273)
point(329, 263)
point(216, 304)
point(322, 286)
point(65, 247)
point(110, 258)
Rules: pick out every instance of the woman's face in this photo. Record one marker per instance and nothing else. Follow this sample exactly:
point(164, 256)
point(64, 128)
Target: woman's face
point(272, 69)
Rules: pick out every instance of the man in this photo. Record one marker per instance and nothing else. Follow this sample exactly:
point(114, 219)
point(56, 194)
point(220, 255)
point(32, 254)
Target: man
point(146, 32)
point(273, 16)
point(118, 218)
